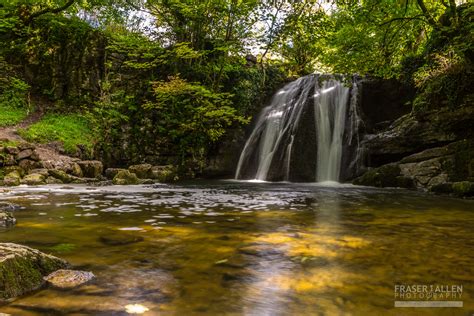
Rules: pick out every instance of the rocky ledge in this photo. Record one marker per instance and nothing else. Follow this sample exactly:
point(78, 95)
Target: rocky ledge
point(23, 164)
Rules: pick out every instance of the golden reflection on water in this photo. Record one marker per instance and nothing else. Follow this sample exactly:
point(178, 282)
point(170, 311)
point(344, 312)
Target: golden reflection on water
point(251, 251)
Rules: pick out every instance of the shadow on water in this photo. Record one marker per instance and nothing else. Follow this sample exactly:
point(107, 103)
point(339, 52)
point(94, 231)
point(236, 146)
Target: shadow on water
point(233, 247)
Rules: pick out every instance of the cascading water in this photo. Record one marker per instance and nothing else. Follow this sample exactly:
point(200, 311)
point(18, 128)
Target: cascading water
point(307, 133)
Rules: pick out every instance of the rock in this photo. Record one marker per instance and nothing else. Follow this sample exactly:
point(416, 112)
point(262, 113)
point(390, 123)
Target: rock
point(9, 160)
point(386, 176)
point(61, 175)
point(110, 173)
point(12, 150)
point(12, 179)
point(143, 171)
point(35, 156)
point(9, 169)
point(463, 188)
point(24, 154)
point(34, 179)
point(164, 173)
point(27, 164)
point(120, 239)
point(6, 219)
point(68, 279)
point(53, 180)
point(147, 181)
point(7, 206)
point(125, 177)
point(91, 168)
point(76, 170)
point(22, 269)
point(25, 146)
point(41, 171)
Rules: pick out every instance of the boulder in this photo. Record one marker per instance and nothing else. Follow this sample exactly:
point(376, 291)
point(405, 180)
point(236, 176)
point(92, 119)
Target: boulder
point(125, 177)
point(143, 171)
point(24, 154)
point(91, 168)
point(53, 180)
point(6, 219)
point(12, 179)
point(20, 170)
point(25, 146)
point(34, 179)
point(22, 269)
point(110, 173)
point(12, 150)
point(28, 164)
point(41, 171)
point(386, 176)
point(76, 170)
point(61, 175)
point(68, 279)
point(164, 173)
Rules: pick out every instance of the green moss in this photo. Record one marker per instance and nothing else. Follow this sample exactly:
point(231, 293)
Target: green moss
point(71, 130)
point(463, 188)
point(385, 176)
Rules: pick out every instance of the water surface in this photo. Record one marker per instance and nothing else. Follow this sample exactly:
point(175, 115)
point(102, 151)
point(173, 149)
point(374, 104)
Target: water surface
point(239, 248)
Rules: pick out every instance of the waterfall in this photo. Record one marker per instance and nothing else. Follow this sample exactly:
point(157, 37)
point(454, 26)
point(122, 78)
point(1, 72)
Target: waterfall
point(303, 134)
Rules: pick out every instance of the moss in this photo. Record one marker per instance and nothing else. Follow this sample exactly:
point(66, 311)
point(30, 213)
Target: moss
point(125, 177)
point(463, 188)
point(385, 176)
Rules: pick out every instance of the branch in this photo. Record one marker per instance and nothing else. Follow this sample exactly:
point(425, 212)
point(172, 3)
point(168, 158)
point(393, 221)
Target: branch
point(50, 10)
point(427, 14)
point(416, 17)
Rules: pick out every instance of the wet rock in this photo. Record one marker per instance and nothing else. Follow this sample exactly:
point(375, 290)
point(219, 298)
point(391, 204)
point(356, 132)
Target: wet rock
point(385, 176)
point(91, 168)
point(147, 181)
point(463, 188)
point(7, 206)
point(164, 173)
point(53, 180)
point(34, 179)
point(41, 171)
point(22, 269)
point(76, 170)
point(6, 219)
point(120, 239)
point(12, 179)
point(18, 169)
point(125, 177)
point(68, 279)
point(110, 173)
point(143, 171)
point(61, 175)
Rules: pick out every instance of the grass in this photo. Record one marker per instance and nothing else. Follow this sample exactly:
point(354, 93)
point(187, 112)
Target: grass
point(11, 116)
point(69, 129)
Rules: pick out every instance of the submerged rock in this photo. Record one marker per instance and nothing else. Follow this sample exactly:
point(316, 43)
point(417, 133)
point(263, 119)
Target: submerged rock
point(125, 177)
point(120, 239)
point(67, 279)
point(22, 269)
point(6, 219)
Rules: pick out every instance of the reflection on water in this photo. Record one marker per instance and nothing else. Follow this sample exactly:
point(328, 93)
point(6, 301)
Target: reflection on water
point(244, 248)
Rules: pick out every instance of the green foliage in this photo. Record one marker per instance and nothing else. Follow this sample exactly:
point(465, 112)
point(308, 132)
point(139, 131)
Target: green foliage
point(191, 116)
point(72, 130)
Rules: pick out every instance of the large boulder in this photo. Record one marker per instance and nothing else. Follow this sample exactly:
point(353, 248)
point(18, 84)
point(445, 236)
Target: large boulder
point(22, 269)
point(91, 168)
point(12, 179)
point(385, 176)
point(61, 175)
point(125, 177)
point(143, 171)
point(110, 173)
point(34, 179)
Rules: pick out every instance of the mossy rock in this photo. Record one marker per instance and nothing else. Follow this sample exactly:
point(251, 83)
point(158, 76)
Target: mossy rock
point(164, 173)
point(385, 176)
point(463, 188)
point(34, 179)
point(91, 168)
point(12, 179)
point(125, 177)
point(143, 171)
point(22, 269)
point(61, 175)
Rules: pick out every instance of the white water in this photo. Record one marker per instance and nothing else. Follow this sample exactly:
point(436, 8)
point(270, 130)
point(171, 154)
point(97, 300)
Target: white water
point(273, 136)
point(330, 107)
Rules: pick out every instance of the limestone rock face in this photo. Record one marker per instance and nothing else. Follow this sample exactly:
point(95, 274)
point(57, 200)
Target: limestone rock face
point(22, 269)
point(91, 168)
point(67, 279)
point(125, 177)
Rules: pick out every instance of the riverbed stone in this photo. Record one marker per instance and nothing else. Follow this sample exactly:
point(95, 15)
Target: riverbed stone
point(22, 269)
point(6, 219)
point(110, 173)
point(34, 179)
point(68, 279)
point(12, 179)
point(53, 180)
point(61, 175)
point(91, 168)
point(143, 171)
point(125, 177)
